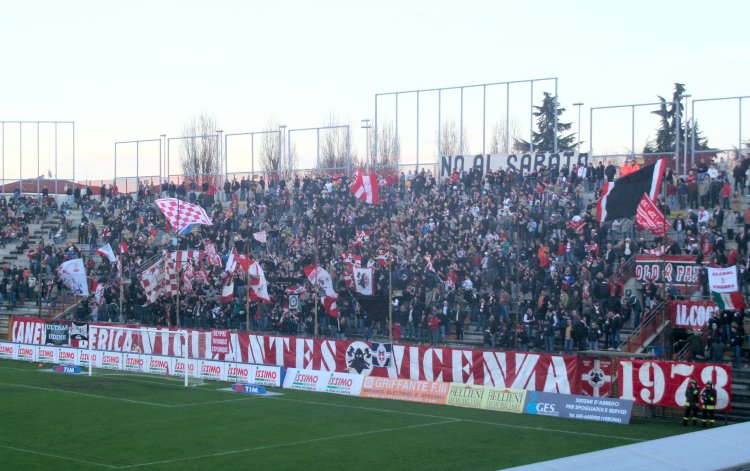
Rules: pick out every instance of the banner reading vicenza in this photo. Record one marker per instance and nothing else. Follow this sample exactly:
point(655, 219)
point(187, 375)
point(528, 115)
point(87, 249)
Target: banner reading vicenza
point(651, 382)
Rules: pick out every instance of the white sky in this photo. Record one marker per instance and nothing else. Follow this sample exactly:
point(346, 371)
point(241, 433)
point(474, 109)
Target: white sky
point(138, 69)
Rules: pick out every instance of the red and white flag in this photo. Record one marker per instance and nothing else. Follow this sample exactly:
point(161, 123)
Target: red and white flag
point(577, 223)
point(227, 291)
point(107, 251)
point(261, 236)
point(257, 282)
point(649, 217)
point(124, 247)
point(152, 280)
point(321, 279)
point(365, 187)
point(383, 256)
point(352, 259)
point(428, 259)
point(212, 256)
point(181, 214)
point(363, 281)
point(362, 237)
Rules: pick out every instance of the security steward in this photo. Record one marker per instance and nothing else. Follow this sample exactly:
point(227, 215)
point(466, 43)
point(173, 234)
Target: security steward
point(708, 400)
point(692, 394)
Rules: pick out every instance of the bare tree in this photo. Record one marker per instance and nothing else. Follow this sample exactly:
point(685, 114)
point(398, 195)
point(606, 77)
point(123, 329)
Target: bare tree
point(274, 157)
point(389, 147)
point(335, 145)
point(449, 141)
point(501, 130)
point(199, 152)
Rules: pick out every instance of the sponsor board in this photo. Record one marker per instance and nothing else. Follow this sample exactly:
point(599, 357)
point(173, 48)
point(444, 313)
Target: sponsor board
point(239, 373)
point(110, 361)
point(160, 365)
point(67, 369)
point(135, 362)
point(213, 370)
point(26, 353)
point(68, 356)
point(252, 389)
point(427, 392)
point(323, 381)
point(568, 406)
point(8, 351)
point(481, 397)
point(84, 355)
point(47, 354)
point(267, 376)
point(192, 366)
point(663, 383)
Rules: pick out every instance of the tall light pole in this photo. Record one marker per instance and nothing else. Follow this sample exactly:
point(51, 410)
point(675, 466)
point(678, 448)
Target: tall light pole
point(366, 126)
point(578, 145)
point(282, 130)
point(222, 162)
point(685, 149)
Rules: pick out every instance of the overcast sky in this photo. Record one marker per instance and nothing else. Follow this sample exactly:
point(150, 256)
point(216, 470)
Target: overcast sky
point(138, 69)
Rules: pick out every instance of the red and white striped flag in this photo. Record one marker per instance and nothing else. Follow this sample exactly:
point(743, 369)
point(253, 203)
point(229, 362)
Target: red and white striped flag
point(649, 217)
point(365, 187)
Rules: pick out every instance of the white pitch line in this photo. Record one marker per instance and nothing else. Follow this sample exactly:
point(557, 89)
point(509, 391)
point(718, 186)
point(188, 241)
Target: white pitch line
point(496, 424)
point(280, 445)
point(418, 414)
point(77, 393)
point(60, 457)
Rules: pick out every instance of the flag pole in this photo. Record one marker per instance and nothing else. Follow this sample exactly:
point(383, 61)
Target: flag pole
point(390, 304)
point(178, 263)
point(121, 287)
point(315, 293)
point(247, 302)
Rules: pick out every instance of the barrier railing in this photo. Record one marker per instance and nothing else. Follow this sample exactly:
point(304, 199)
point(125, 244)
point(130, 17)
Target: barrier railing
point(650, 326)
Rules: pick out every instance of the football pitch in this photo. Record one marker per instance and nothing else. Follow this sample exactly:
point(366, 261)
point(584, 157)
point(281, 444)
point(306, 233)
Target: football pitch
point(125, 421)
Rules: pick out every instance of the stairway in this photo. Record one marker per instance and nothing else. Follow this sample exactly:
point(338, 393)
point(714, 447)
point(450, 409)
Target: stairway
point(740, 395)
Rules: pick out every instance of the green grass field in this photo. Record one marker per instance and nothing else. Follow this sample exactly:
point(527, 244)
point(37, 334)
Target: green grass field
point(55, 421)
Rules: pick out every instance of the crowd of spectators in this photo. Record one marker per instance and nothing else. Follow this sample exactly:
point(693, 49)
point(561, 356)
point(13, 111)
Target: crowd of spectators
point(493, 253)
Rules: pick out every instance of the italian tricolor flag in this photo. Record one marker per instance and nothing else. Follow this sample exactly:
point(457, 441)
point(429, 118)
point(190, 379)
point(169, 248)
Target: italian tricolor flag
point(731, 301)
point(725, 289)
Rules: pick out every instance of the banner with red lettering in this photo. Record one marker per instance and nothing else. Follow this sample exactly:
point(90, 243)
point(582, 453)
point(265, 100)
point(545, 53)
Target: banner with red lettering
point(503, 369)
point(690, 314)
point(663, 383)
point(649, 217)
point(679, 270)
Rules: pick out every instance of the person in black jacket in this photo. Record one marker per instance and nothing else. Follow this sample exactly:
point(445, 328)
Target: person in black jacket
point(610, 172)
point(692, 394)
point(708, 400)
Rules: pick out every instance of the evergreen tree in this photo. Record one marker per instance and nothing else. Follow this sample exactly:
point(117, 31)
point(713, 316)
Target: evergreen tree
point(544, 138)
point(665, 141)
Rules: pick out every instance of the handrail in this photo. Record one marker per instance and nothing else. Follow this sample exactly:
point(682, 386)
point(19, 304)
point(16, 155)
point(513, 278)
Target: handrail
point(648, 322)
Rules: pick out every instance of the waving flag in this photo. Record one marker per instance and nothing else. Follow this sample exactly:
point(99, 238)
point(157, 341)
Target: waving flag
point(725, 288)
point(181, 214)
point(620, 197)
point(649, 217)
point(107, 251)
point(383, 256)
point(261, 236)
point(73, 275)
point(258, 283)
point(365, 187)
point(212, 256)
point(363, 281)
point(351, 259)
point(151, 280)
point(362, 237)
point(321, 279)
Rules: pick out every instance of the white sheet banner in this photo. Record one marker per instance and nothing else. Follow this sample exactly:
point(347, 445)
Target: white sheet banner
point(723, 280)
